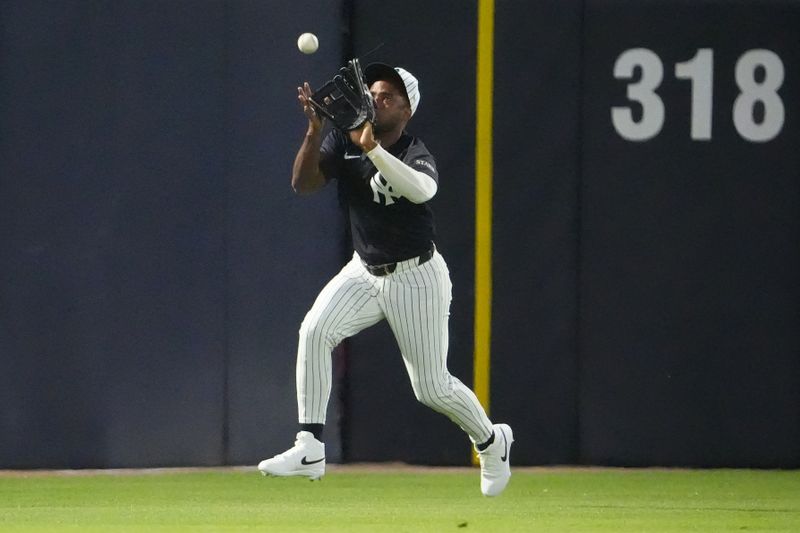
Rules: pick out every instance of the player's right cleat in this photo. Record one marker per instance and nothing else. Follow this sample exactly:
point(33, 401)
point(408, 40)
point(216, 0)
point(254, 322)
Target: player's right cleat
point(496, 461)
point(305, 458)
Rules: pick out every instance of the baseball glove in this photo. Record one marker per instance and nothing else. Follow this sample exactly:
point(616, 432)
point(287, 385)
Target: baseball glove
point(346, 99)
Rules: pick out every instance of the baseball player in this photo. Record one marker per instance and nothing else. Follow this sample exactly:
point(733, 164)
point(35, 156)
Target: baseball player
point(385, 177)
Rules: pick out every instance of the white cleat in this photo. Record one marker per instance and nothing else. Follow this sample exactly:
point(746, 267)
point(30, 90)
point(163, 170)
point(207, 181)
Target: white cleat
point(305, 458)
point(496, 461)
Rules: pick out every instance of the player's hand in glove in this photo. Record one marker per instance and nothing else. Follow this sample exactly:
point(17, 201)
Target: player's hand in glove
point(345, 99)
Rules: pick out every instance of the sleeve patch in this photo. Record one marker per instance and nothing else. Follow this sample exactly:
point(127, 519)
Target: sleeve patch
point(423, 163)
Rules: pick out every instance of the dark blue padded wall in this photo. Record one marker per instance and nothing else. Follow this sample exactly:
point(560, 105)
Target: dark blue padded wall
point(534, 371)
point(689, 335)
point(113, 301)
point(156, 263)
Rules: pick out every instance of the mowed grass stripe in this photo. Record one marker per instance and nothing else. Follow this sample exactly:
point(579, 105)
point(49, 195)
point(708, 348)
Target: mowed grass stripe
point(346, 500)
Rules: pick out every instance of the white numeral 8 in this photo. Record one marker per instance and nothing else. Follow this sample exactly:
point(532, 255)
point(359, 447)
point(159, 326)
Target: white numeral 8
point(765, 92)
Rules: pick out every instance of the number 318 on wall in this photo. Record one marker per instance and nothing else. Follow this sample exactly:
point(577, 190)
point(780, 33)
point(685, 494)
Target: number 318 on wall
point(761, 90)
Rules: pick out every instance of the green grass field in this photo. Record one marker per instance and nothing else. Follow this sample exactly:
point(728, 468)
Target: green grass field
point(353, 499)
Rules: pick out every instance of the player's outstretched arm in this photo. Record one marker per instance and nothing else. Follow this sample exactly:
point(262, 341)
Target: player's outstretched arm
point(306, 174)
point(412, 184)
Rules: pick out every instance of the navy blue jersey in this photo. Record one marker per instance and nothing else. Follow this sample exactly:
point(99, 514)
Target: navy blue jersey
point(386, 227)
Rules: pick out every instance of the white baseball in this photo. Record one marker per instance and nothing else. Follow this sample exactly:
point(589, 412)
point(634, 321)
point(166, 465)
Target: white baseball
point(308, 43)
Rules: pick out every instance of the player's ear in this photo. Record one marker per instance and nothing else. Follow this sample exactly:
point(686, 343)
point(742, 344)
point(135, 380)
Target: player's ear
point(407, 111)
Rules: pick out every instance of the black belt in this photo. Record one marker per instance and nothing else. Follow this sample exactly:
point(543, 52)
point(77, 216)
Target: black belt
point(388, 268)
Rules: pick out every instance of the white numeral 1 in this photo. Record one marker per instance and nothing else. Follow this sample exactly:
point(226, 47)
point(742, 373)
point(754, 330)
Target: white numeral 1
point(700, 70)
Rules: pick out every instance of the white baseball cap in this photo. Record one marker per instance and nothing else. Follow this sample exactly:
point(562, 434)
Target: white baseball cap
point(402, 77)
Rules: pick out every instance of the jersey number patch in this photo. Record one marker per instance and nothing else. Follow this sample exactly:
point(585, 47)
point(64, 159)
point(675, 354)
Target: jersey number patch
point(382, 192)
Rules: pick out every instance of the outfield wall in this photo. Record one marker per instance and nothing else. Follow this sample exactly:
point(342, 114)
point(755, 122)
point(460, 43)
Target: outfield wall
point(156, 262)
point(157, 265)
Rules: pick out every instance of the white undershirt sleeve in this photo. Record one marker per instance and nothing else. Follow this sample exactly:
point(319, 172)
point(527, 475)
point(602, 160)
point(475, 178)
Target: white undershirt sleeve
point(412, 184)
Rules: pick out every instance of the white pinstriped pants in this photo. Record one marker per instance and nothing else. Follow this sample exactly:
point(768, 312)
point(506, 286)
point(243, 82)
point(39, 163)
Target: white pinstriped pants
point(415, 300)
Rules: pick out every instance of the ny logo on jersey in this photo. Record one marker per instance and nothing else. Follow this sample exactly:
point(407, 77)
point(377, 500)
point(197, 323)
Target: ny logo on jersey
point(382, 192)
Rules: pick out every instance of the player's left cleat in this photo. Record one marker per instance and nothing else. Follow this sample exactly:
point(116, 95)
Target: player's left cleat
point(496, 461)
point(305, 458)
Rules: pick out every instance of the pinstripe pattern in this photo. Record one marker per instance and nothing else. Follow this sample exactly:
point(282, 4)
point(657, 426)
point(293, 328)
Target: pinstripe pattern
point(415, 300)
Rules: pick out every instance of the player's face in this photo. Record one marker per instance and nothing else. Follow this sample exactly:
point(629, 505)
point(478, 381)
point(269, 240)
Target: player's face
point(391, 107)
